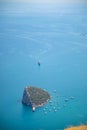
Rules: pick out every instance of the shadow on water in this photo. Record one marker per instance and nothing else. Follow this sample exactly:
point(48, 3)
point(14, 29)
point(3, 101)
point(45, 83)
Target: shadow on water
point(26, 110)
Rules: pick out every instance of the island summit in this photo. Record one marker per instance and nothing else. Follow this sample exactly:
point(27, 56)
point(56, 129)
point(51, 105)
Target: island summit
point(35, 97)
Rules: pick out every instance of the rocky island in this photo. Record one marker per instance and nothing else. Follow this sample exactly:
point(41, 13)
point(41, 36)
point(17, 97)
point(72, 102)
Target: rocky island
point(35, 97)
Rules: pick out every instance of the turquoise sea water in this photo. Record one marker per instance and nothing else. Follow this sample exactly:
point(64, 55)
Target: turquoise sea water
point(57, 37)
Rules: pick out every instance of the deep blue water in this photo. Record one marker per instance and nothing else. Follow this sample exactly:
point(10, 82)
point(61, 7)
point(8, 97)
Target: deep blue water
point(57, 37)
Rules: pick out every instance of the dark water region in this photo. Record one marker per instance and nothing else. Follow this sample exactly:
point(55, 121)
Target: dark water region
point(58, 39)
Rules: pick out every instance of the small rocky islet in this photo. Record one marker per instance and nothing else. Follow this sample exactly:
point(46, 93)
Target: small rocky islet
point(35, 97)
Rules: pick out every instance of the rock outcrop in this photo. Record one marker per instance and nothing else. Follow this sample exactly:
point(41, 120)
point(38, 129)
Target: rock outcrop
point(35, 97)
point(26, 98)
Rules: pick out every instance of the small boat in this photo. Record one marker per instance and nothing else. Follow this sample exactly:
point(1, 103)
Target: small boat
point(54, 107)
point(33, 109)
point(49, 110)
point(55, 91)
point(66, 100)
point(45, 113)
point(44, 109)
point(55, 110)
point(72, 97)
point(39, 63)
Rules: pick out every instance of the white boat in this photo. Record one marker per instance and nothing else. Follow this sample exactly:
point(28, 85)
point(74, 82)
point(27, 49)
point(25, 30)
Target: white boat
point(33, 109)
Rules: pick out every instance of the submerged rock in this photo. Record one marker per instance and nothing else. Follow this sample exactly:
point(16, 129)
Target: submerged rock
point(35, 97)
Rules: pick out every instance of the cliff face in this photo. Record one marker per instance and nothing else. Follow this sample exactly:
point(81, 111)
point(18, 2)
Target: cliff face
point(26, 98)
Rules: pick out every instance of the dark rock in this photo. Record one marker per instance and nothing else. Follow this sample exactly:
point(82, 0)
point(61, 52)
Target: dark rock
point(35, 97)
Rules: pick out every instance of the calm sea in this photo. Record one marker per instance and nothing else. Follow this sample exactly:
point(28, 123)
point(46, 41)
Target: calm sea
point(55, 35)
